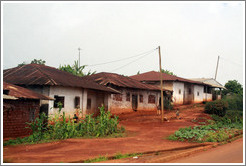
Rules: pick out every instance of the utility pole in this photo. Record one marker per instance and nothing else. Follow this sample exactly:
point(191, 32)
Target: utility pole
point(162, 105)
point(79, 55)
point(217, 67)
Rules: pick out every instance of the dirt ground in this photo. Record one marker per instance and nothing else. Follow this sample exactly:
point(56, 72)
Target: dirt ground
point(145, 133)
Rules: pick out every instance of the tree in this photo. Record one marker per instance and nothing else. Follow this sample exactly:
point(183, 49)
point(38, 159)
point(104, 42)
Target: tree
point(138, 72)
point(75, 69)
point(35, 61)
point(233, 86)
point(167, 72)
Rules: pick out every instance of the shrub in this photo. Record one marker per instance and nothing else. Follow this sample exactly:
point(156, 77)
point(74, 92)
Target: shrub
point(235, 101)
point(217, 107)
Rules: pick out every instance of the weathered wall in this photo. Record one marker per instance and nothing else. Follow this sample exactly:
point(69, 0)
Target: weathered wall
point(188, 93)
point(15, 115)
point(97, 100)
point(178, 97)
point(69, 102)
point(207, 97)
point(117, 107)
point(198, 93)
point(168, 85)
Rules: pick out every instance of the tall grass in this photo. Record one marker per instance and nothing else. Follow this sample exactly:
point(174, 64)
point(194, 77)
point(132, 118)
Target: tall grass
point(42, 131)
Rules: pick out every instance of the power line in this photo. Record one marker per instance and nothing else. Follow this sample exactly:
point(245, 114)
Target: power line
point(231, 61)
point(122, 58)
point(134, 60)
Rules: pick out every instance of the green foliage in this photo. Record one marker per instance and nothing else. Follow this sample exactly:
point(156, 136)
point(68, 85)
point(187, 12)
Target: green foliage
point(100, 126)
point(235, 101)
point(38, 61)
point(98, 159)
point(117, 156)
point(220, 129)
point(167, 72)
point(75, 69)
point(217, 107)
point(167, 104)
point(233, 86)
point(35, 61)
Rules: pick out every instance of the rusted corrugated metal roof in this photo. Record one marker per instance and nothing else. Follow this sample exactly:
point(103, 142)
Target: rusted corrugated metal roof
point(34, 74)
point(20, 92)
point(155, 76)
point(120, 81)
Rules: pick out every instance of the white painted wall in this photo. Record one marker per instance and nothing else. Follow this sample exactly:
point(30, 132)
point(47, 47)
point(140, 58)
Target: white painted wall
point(198, 98)
point(126, 106)
point(69, 93)
point(178, 98)
point(207, 97)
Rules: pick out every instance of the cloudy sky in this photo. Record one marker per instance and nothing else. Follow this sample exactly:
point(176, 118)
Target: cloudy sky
point(191, 35)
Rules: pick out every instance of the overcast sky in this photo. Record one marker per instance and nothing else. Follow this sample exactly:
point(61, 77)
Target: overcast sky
point(191, 35)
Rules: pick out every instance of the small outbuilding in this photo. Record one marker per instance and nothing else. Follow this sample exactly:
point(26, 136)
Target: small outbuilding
point(20, 105)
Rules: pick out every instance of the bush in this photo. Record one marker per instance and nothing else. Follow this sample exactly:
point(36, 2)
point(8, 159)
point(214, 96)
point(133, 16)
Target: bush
point(217, 107)
point(235, 101)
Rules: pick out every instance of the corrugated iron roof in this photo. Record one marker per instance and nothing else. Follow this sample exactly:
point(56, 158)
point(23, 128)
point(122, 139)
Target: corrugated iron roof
point(35, 74)
point(20, 92)
point(120, 81)
point(155, 76)
point(210, 81)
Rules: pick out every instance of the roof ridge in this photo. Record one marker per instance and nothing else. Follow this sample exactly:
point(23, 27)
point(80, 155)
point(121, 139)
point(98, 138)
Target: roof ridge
point(46, 75)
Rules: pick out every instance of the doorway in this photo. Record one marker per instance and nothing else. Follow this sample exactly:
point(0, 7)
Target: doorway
point(134, 102)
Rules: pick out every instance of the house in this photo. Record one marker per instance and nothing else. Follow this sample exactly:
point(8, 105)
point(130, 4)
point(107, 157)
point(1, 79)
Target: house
point(215, 86)
point(185, 91)
point(20, 105)
point(76, 94)
point(134, 95)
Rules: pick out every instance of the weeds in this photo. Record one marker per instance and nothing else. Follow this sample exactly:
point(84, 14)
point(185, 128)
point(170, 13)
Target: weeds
point(220, 129)
point(100, 126)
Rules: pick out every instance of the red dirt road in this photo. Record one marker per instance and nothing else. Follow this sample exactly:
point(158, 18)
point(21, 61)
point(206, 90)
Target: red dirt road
point(145, 133)
point(229, 153)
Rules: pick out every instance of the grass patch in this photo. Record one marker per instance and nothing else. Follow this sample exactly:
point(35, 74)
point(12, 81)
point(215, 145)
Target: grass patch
point(98, 159)
point(116, 156)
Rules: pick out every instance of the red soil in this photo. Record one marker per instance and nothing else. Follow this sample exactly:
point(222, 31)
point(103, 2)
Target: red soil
point(145, 132)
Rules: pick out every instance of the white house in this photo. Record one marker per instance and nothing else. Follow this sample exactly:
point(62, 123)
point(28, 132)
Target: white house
point(133, 96)
point(185, 91)
point(76, 94)
point(215, 85)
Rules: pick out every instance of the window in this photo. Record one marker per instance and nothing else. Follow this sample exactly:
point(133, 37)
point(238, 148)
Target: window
point(128, 97)
point(58, 99)
point(88, 103)
point(189, 91)
point(140, 98)
point(117, 97)
point(179, 91)
point(197, 93)
point(77, 102)
point(151, 99)
point(32, 114)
